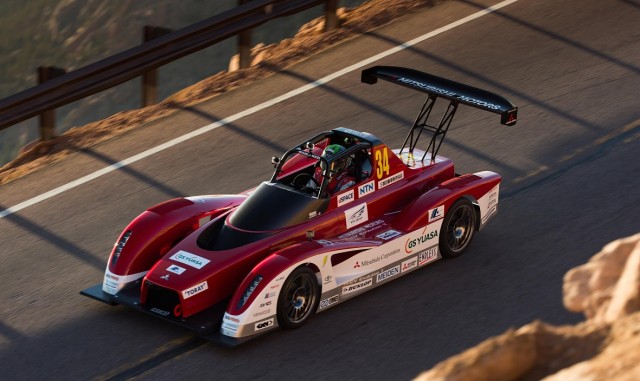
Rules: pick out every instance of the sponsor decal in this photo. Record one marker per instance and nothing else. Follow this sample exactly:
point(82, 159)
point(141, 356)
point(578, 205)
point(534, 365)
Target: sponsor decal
point(367, 262)
point(307, 153)
point(176, 269)
point(230, 326)
point(478, 102)
point(436, 214)
point(324, 242)
point(159, 311)
point(113, 283)
point(385, 236)
point(329, 301)
point(431, 88)
point(273, 286)
point(198, 288)
point(280, 278)
point(226, 331)
point(269, 295)
point(324, 260)
point(390, 180)
point(265, 304)
point(388, 273)
point(364, 229)
point(190, 259)
point(165, 277)
point(227, 317)
point(356, 215)
point(313, 214)
point(366, 188)
point(448, 93)
point(267, 311)
point(413, 243)
point(264, 324)
point(357, 286)
point(346, 197)
point(489, 204)
point(355, 133)
point(409, 264)
point(490, 213)
point(428, 255)
point(328, 279)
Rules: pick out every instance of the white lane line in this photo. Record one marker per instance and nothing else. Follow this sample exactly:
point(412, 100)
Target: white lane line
point(249, 111)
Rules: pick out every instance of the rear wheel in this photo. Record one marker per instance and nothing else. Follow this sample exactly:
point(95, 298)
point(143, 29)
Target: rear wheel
point(298, 298)
point(457, 229)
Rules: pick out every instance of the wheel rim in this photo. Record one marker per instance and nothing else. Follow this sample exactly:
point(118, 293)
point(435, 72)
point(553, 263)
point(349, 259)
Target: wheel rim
point(300, 297)
point(460, 228)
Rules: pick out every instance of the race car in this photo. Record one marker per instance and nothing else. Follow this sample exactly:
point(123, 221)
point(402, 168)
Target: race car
point(343, 213)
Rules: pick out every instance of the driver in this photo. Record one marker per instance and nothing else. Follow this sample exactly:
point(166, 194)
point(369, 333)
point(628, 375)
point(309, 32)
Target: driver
point(340, 176)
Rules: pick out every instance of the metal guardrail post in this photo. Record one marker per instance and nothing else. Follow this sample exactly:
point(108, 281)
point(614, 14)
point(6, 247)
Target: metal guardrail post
point(244, 45)
point(48, 117)
point(150, 78)
point(331, 20)
point(244, 49)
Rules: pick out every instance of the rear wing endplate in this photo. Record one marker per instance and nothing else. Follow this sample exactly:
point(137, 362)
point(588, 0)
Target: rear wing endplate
point(444, 88)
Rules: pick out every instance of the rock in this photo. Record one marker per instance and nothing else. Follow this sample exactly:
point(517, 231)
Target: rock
point(606, 287)
point(605, 347)
point(505, 357)
point(257, 56)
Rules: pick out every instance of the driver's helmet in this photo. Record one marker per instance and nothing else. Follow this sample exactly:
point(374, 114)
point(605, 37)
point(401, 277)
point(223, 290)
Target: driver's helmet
point(337, 166)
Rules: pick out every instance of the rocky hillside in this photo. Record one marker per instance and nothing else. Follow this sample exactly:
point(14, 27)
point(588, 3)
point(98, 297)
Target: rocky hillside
point(604, 347)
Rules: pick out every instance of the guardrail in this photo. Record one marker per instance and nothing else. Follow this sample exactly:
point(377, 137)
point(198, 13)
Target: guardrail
point(60, 88)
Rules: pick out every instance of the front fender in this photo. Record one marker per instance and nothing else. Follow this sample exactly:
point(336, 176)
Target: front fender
point(258, 314)
point(150, 235)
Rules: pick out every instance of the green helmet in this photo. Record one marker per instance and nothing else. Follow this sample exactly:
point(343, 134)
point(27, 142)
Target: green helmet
point(337, 166)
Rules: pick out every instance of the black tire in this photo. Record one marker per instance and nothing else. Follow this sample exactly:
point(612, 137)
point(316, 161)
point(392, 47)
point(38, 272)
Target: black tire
point(298, 299)
point(458, 229)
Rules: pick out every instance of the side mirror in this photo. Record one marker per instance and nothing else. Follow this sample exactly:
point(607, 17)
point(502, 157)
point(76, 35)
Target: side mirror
point(275, 160)
point(309, 146)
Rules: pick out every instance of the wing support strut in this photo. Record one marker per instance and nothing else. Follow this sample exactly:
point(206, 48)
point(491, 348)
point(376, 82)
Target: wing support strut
point(438, 132)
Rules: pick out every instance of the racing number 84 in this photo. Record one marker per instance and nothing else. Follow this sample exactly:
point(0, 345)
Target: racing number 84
point(382, 162)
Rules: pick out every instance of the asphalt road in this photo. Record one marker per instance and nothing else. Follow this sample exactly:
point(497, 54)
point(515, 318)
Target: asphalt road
point(570, 185)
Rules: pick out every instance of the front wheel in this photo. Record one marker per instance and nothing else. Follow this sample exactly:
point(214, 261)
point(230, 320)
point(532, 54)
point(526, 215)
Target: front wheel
point(457, 229)
point(298, 298)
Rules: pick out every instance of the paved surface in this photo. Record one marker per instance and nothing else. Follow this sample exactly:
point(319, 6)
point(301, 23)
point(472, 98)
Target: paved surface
point(570, 171)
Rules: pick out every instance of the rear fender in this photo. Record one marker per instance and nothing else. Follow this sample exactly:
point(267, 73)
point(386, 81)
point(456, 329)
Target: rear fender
point(150, 235)
point(481, 188)
point(258, 313)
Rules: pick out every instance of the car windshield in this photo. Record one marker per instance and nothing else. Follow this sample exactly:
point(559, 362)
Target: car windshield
point(273, 206)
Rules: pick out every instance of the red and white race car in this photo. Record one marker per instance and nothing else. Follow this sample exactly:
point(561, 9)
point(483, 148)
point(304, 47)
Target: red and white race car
point(342, 214)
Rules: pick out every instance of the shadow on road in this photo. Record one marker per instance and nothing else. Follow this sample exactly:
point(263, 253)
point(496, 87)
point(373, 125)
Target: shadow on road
point(129, 171)
point(60, 242)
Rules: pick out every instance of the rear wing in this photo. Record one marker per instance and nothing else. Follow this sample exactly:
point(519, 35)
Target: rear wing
point(437, 87)
point(444, 88)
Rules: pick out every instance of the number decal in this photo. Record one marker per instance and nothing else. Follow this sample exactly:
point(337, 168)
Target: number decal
point(382, 162)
